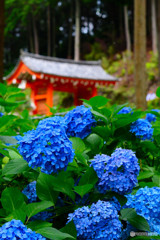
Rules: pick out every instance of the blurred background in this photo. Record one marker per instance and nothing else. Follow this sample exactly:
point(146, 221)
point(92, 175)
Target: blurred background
point(113, 31)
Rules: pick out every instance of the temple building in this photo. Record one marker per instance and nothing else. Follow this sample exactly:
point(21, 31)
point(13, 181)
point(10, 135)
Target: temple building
point(44, 75)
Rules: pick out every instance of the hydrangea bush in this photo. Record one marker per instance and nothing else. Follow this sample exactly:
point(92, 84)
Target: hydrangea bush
point(93, 173)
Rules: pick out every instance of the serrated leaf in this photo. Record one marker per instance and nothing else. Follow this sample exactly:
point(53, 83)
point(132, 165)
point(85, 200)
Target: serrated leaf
point(54, 234)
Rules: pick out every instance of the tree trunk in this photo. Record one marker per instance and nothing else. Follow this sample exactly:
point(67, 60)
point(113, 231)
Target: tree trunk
point(140, 52)
point(154, 26)
point(1, 39)
point(77, 32)
point(127, 32)
point(70, 32)
point(35, 34)
point(49, 30)
point(158, 37)
point(54, 34)
point(31, 47)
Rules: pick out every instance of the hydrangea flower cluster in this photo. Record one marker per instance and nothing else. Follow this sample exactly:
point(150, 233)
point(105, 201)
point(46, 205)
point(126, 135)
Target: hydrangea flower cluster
point(146, 202)
point(55, 121)
point(117, 173)
point(30, 192)
point(1, 114)
point(79, 122)
point(47, 147)
point(100, 221)
point(150, 117)
point(142, 129)
point(15, 229)
point(125, 110)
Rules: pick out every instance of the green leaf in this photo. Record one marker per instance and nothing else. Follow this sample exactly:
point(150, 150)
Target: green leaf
point(83, 189)
point(137, 221)
point(34, 208)
point(144, 175)
point(95, 142)
point(3, 89)
point(35, 225)
point(70, 229)
point(17, 214)
point(103, 132)
point(6, 122)
point(89, 177)
point(158, 92)
point(8, 139)
point(147, 184)
point(98, 101)
point(54, 234)
point(78, 144)
point(15, 166)
point(45, 189)
point(12, 199)
point(81, 159)
point(156, 180)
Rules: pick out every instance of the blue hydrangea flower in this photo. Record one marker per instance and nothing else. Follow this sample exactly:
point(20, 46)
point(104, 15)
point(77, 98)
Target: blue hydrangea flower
point(125, 110)
point(1, 114)
point(146, 202)
point(79, 122)
point(100, 221)
point(15, 230)
point(150, 117)
point(30, 192)
point(142, 129)
point(47, 147)
point(117, 173)
point(55, 121)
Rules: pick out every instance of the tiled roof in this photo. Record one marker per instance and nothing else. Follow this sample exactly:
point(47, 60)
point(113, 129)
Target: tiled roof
point(65, 67)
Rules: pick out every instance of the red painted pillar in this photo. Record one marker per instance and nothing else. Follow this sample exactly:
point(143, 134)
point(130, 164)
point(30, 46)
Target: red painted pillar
point(94, 92)
point(49, 100)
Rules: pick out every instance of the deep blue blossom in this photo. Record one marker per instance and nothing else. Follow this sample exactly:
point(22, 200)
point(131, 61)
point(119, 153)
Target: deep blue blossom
point(47, 147)
point(30, 192)
point(146, 202)
point(15, 230)
point(117, 173)
point(100, 221)
point(125, 110)
point(79, 122)
point(55, 121)
point(1, 114)
point(142, 129)
point(150, 117)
